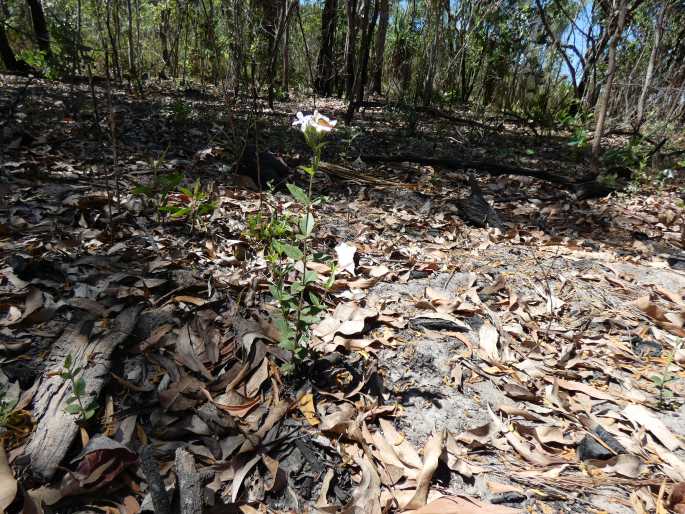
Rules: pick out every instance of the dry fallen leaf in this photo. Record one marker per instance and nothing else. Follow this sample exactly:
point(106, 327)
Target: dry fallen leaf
point(345, 253)
point(306, 406)
point(488, 337)
point(463, 505)
point(676, 499)
point(431, 456)
point(644, 417)
point(8, 484)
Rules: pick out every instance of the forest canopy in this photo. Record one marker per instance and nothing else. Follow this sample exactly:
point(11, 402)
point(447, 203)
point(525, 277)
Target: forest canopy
point(544, 60)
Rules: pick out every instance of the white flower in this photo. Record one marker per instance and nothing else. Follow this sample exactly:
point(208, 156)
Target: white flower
point(317, 122)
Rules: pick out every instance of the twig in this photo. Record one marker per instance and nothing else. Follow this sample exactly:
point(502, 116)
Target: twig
point(150, 467)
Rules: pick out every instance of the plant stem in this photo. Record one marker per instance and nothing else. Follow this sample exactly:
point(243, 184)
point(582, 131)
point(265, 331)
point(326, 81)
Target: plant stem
point(305, 246)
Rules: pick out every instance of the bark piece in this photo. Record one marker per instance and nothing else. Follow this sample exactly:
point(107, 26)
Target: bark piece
point(55, 428)
point(150, 467)
point(189, 485)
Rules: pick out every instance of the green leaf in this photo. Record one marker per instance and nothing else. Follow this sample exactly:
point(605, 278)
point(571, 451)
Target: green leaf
point(71, 399)
point(179, 213)
point(292, 251)
point(74, 408)
point(80, 387)
point(142, 190)
point(310, 276)
point(309, 319)
point(89, 413)
point(296, 287)
point(277, 247)
point(65, 375)
point(68, 361)
point(306, 224)
point(186, 191)
point(298, 193)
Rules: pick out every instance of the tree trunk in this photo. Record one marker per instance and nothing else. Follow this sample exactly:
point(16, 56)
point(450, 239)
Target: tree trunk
point(286, 56)
point(601, 111)
point(8, 58)
point(361, 67)
point(113, 39)
point(432, 60)
point(287, 11)
point(131, 52)
point(324, 65)
point(384, 13)
point(365, 50)
point(350, 45)
point(658, 31)
point(164, 27)
point(40, 26)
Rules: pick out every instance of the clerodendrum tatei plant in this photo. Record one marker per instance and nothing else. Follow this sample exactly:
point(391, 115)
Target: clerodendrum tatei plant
point(299, 304)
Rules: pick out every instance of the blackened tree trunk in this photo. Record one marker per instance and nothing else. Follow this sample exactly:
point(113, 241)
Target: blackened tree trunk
point(40, 26)
point(164, 29)
point(6, 53)
point(361, 67)
point(384, 16)
point(350, 46)
point(324, 65)
point(365, 50)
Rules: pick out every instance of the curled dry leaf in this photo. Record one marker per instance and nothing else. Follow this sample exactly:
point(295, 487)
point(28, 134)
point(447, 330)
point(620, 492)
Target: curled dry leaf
point(431, 456)
point(366, 496)
point(676, 499)
point(488, 337)
point(403, 448)
point(625, 465)
point(646, 418)
point(8, 484)
point(306, 406)
point(345, 253)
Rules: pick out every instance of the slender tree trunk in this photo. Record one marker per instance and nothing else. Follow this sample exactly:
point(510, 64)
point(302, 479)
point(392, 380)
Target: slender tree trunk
point(350, 46)
point(432, 59)
point(365, 50)
point(164, 26)
point(113, 38)
point(286, 55)
point(658, 31)
point(324, 65)
point(361, 67)
point(287, 11)
point(384, 16)
point(131, 51)
point(601, 111)
point(40, 26)
point(78, 39)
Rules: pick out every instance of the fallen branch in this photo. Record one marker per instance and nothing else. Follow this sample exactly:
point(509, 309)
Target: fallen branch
point(489, 167)
point(158, 494)
point(55, 428)
point(583, 188)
